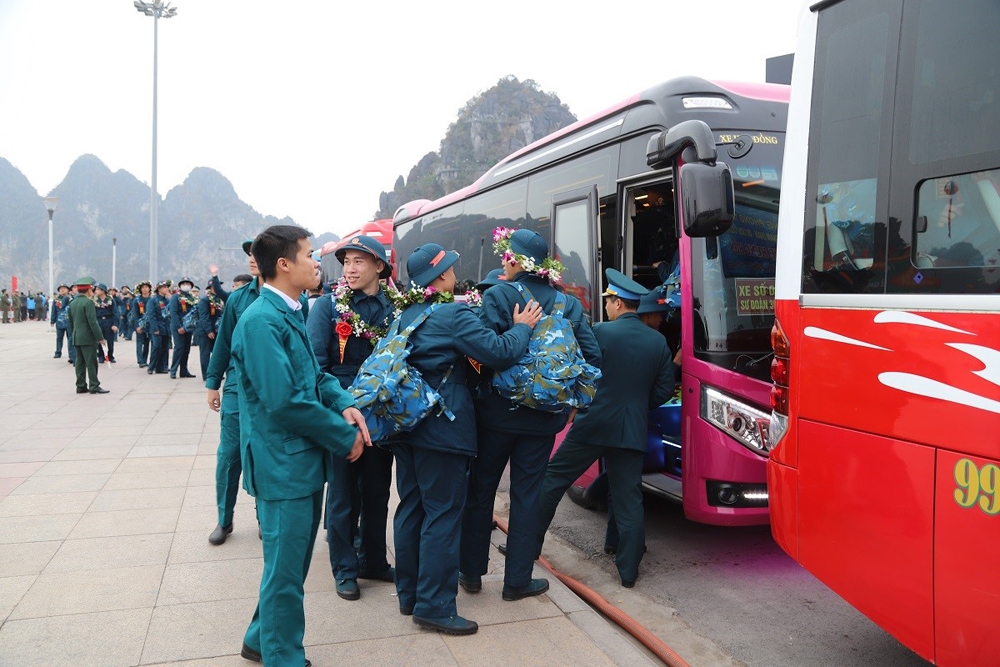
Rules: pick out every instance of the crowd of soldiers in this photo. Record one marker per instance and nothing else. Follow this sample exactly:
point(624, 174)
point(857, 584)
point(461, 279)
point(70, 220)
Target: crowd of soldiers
point(18, 306)
point(278, 356)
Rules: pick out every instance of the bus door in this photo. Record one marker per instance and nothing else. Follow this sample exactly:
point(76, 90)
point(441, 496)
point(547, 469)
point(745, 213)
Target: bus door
point(574, 242)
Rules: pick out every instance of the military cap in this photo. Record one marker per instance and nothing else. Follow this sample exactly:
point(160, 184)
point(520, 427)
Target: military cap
point(368, 245)
point(85, 281)
point(529, 243)
point(429, 261)
point(622, 286)
point(102, 287)
point(494, 277)
point(246, 246)
point(656, 301)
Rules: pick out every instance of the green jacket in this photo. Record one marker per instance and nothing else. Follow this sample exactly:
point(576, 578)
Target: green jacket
point(638, 375)
point(83, 324)
point(289, 409)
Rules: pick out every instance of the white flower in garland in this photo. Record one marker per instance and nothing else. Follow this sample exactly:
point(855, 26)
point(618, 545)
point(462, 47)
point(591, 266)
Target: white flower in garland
point(549, 268)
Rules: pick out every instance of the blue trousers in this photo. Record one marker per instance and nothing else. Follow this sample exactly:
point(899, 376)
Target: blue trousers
point(527, 455)
point(60, 332)
point(205, 347)
point(158, 351)
point(624, 467)
point(288, 529)
point(372, 473)
point(432, 486)
point(141, 348)
point(182, 349)
point(228, 465)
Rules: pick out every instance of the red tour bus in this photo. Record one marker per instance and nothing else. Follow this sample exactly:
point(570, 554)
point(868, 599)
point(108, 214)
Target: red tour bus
point(332, 269)
point(609, 191)
point(884, 469)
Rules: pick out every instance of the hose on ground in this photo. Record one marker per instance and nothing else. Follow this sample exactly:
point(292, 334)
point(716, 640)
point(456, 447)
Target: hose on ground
point(623, 620)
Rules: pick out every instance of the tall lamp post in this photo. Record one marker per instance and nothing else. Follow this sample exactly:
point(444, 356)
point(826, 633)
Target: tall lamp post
point(157, 10)
point(114, 261)
point(50, 206)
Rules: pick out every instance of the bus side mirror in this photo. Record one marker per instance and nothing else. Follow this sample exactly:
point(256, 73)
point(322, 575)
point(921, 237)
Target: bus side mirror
point(708, 202)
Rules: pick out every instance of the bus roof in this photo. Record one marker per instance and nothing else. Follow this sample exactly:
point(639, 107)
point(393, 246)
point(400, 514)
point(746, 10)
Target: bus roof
point(676, 89)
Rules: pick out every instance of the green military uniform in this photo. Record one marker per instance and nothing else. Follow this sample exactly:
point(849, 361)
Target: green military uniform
point(86, 335)
point(638, 375)
point(289, 417)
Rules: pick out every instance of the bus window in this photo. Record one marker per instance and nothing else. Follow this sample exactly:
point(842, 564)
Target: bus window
point(573, 219)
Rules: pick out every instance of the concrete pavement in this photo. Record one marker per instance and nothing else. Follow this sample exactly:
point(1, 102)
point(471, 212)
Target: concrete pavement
point(106, 503)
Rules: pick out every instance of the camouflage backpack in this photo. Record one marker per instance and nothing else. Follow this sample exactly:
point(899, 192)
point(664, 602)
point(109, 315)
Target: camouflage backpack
point(391, 394)
point(552, 375)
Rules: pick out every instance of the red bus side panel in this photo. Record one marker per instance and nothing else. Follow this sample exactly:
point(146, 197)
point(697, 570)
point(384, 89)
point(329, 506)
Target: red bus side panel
point(866, 526)
point(783, 488)
point(967, 561)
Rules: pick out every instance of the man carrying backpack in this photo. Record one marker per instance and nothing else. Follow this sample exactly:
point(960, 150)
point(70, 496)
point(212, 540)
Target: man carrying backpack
point(432, 460)
point(343, 330)
point(511, 432)
point(638, 376)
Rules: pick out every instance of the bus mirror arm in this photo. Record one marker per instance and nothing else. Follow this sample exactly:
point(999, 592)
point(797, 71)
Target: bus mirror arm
point(665, 145)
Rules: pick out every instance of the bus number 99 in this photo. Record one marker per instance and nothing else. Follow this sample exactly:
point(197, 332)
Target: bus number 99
point(977, 486)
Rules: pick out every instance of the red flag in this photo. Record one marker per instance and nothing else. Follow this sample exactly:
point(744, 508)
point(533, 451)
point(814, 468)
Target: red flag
point(13, 283)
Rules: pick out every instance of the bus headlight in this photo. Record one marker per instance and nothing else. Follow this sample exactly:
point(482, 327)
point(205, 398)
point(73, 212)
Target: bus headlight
point(748, 425)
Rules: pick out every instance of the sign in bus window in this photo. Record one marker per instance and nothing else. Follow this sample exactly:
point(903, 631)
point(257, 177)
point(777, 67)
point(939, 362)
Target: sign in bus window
point(958, 221)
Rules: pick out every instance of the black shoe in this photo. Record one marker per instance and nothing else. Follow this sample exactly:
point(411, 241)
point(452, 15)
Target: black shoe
point(450, 625)
point(610, 550)
point(173, 376)
point(161, 372)
point(187, 375)
point(388, 574)
point(502, 548)
point(628, 584)
point(100, 390)
point(149, 371)
point(56, 356)
point(82, 391)
point(71, 361)
point(470, 584)
point(347, 589)
point(219, 535)
point(142, 365)
point(112, 361)
point(250, 654)
point(405, 611)
point(535, 587)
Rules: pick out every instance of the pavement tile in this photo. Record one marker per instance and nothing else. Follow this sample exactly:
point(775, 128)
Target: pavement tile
point(126, 522)
point(136, 499)
point(32, 441)
point(529, 644)
point(102, 429)
point(489, 608)
point(206, 460)
point(152, 438)
point(29, 455)
point(200, 496)
point(84, 441)
point(91, 453)
point(52, 503)
point(8, 484)
point(232, 579)
point(36, 528)
point(197, 630)
point(103, 639)
point(330, 620)
point(26, 558)
point(8, 470)
point(426, 649)
point(179, 424)
point(157, 465)
point(47, 431)
point(202, 477)
point(193, 546)
point(142, 451)
point(41, 485)
point(12, 589)
point(98, 553)
point(61, 593)
point(86, 467)
point(147, 480)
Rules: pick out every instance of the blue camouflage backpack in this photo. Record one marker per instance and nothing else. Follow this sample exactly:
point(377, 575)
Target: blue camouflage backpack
point(391, 394)
point(552, 375)
point(62, 318)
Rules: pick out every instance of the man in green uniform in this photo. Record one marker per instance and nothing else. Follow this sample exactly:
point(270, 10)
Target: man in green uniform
point(638, 376)
point(86, 334)
point(291, 413)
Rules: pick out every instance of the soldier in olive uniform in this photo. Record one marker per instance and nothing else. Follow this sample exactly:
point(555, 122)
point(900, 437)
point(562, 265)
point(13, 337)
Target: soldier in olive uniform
point(87, 336)
point(638, 376)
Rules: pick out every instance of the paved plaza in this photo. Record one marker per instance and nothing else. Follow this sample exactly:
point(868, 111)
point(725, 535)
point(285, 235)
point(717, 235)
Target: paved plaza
point(106, 503)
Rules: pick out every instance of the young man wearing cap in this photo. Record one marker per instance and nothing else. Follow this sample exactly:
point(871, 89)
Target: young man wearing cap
point(87, 335)
point(157, 325)
point(228, 464)
point(343, 330)
point(638, 376)
point(512, 433)
point(136, 315)
point(432, 461)
point(180, 305)
point(59, 318)
point(291, 413)
point(107, 318)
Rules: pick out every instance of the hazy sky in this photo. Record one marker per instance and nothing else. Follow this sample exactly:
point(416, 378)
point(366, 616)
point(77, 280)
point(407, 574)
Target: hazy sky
point(313, 108)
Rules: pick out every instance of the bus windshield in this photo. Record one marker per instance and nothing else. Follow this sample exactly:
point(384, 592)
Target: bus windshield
point(733, 275)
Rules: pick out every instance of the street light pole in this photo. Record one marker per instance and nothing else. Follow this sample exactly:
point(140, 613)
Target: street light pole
point(50, 206)
point(157, 10)
point(114, 260)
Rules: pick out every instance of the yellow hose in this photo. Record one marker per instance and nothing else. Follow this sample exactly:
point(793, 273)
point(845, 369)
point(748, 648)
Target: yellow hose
point(626, 622)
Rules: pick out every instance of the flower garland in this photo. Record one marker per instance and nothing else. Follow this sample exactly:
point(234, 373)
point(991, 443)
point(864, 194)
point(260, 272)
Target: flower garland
point(418, 295)
point(549, 268)
point(352, 323)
